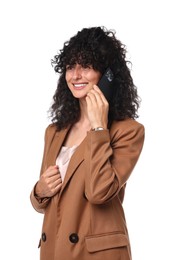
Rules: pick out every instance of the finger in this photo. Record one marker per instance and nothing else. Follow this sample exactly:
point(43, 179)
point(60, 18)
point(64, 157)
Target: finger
point(88, 101)
point(92, 97)
point(52, 187)
point(51, 167)
point(57, 188)
point(52, 170)
point(96, 97)
point(57, 183)
point(54, 178)
point(97, 89)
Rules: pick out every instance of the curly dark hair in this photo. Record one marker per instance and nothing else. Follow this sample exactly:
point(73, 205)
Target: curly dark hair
point(98, 47)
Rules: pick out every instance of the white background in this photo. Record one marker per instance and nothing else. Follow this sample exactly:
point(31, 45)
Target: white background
point(31, 33)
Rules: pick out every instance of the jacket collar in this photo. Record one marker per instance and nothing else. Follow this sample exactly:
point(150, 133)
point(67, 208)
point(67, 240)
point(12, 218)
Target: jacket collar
point(56, 145)
point(75, 160)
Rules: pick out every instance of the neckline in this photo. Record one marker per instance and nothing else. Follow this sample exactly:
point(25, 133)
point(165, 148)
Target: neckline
point(69, 147)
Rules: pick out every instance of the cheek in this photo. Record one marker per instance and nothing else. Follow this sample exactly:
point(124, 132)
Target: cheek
point(97, 78)
point(66, 77)
point(67, 80)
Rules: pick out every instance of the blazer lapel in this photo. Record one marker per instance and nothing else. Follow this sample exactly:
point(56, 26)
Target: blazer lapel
point(56, 146)
point(76, 159)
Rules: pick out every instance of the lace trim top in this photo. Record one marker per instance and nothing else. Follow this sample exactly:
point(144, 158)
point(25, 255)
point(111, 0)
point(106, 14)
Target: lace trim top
point(63, 159)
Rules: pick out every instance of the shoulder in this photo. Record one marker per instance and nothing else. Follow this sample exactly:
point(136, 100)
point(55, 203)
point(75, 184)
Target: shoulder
point(126, 123)
point(50, 131)
point(127, 126)
point(51, 128)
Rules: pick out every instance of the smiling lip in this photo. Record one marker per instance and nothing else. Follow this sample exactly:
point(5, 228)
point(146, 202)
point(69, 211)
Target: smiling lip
point(79, 86)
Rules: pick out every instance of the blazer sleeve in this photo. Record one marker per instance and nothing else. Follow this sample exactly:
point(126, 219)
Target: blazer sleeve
point(39, 204)
point(110, 157)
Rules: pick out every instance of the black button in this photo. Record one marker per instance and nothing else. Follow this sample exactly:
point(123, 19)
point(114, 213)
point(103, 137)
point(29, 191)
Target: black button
point(74, 238)
point(43, 237)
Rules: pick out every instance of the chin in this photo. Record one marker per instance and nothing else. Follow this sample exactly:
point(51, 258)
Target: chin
point(79, 95)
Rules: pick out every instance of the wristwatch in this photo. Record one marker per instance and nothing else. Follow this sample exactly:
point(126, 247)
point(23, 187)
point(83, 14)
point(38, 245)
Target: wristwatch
point(98, 128)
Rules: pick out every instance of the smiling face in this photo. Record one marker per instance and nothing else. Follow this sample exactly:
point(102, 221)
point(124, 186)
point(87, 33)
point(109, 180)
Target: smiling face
point(81, 79)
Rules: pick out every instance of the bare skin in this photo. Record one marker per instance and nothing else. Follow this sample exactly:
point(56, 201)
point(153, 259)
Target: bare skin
point(94, 113)
point(50, 183)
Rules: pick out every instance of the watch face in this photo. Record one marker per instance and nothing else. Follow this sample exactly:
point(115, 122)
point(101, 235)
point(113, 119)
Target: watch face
point(98, 129)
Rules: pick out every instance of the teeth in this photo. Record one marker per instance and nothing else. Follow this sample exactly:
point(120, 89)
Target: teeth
point(79, 85)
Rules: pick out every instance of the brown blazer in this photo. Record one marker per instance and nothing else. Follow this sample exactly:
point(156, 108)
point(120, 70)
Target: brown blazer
point(85, 220)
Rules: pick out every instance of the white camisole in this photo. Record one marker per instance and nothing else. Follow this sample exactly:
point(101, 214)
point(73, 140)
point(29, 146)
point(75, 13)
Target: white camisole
point(63, 159)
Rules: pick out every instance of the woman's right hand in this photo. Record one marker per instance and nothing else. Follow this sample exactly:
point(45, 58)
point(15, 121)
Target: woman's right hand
point(50, 183)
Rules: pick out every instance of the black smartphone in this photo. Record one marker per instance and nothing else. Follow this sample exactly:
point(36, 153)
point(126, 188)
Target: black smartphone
point(105, 84)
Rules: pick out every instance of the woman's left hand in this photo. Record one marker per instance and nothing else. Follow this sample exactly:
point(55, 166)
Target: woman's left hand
point(97, 108)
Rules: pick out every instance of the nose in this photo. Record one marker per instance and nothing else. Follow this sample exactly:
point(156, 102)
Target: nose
point(77, 73)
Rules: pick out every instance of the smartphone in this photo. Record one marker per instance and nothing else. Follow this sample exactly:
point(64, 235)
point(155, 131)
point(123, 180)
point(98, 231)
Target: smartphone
point(105, 84)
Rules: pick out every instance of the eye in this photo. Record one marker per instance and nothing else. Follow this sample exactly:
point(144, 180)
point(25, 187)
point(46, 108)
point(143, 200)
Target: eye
point(69, 67)
point(86, 66)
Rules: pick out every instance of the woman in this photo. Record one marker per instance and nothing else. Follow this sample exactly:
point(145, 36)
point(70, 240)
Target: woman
point(91, 148)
